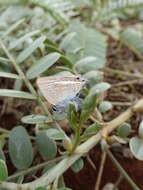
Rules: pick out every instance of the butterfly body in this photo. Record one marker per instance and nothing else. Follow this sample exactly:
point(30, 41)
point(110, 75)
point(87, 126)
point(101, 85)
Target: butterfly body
point(60, 90)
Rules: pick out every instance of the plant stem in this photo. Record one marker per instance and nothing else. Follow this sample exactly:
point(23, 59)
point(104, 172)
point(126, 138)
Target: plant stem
point(77, 138)
point(34, 168)
point(103, 159)
point(120, 72)
point(2, 130)
point(27, 82)
point(121, 170)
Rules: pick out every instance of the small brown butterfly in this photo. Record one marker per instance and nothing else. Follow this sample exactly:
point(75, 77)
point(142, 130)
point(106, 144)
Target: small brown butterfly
point(57, 89)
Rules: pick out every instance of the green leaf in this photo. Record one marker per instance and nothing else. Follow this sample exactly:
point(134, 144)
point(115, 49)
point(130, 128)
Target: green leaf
point(136, 147)
point(93, 77)
point(3, 171)
point(77, 166)
point(36, 119)
point(105, 106)
point(100, 88)
point(88, 107)
point(13, 27)
point(20, 40)
point(46, 146)
point(87, 64)
point(66, 61)
point(134, 40)
point(42, 65)
point(20, 148)
point(9, 75)
point(29, 50)
point(88, 42)
point(124, 130)
point(55, 134)
point(16, 94)
point(60, 116)
point(140, 130)
point(67, 40)
point(41, 188)
point(2, 157)
point(92, 129)
point(72, 116)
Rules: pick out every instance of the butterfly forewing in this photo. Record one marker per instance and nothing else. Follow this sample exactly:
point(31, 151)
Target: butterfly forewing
point(57, 89)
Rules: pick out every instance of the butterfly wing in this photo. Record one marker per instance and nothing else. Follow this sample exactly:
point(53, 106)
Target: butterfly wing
point(57, 89)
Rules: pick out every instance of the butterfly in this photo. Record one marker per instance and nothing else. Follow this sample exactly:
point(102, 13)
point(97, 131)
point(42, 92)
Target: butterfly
point(59, 90)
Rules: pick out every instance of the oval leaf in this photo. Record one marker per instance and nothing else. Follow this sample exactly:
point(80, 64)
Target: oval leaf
point(29, 50)
point(105, 106)
point(16, 94)
point(136, 146)
point(92, 129)
point(3, 171)
point(20, 148)
point(88, 106)
point(36, 119)
point(124, 130)
point(100, 88)
point(46, 146)
point(55, 134)
point(18, 41)
point(67, 40)
point(42, 65)
point(87, 64)
point(77, 166)
point(93, 77)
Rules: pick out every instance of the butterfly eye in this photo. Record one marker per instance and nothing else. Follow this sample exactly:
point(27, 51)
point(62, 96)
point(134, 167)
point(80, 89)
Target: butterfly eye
point(77, 78)
point(54, 109)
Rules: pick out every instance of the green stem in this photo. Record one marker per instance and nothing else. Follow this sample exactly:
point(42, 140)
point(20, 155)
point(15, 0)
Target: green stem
point(27, 82)
point(34, 168)
point(77, 138)
point(2, 130)
point(121, 170)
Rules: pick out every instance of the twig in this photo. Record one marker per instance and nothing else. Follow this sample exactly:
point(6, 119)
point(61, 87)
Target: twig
point(130, 82)
point(121, 170)
point(34, 168)
point(91, 162)
point(121, 103)
point(116, 71)
point(103, 159)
